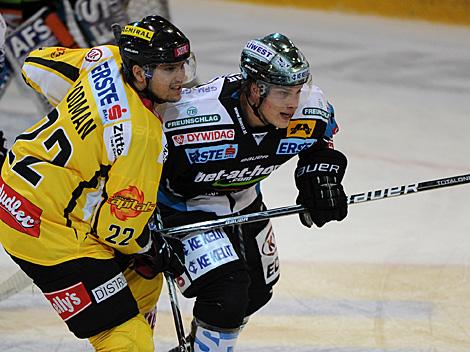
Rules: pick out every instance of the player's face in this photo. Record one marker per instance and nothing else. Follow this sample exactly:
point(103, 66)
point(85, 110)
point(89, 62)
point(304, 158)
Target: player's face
point(167, 81)
point(280, 104)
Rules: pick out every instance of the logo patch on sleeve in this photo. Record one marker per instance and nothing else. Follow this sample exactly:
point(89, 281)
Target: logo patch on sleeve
point(301, 128)
point(129, 203)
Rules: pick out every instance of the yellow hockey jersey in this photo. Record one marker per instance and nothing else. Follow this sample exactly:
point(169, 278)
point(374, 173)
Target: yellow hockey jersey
point(83, 180)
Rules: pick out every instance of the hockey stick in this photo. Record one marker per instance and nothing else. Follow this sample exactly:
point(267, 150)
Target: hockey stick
point(294, 209)
point(14, 284)
point(155, 225)
point(182, 343)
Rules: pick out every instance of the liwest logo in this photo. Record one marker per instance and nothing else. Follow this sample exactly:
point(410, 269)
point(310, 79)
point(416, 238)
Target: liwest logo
point(109, 92)
point(301, 128)
point(219, 152)
point(129, 203)
point(69, 301)
point(290, 146)
point(203, 137)
point(259, 49)
point(18, 212)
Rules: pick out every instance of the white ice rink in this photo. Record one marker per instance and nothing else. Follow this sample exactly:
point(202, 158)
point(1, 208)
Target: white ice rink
point(393, 276)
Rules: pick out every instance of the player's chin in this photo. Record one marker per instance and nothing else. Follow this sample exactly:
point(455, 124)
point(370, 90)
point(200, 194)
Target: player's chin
point(174, 96)
point(283, 120)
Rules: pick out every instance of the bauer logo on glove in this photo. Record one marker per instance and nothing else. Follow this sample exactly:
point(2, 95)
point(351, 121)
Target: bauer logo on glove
point(318, 178)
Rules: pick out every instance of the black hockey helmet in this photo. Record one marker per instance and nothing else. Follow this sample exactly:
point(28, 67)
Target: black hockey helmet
point(274, 59)
point(151, 41)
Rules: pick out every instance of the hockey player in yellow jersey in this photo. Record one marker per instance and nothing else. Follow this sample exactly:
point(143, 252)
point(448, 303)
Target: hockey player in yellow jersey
point(78, 188)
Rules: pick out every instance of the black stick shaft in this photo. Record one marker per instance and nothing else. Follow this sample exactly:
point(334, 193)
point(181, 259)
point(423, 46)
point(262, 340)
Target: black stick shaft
point(295, 209)
point(176, 312)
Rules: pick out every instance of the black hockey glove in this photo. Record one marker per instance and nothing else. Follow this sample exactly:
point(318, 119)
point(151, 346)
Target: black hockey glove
point(3, 150)
point(318, 178)
point(165, 255)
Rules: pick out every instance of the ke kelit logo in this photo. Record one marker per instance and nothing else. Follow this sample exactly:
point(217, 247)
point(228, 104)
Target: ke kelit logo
point(301, 128)
point(94, 55)
point(182, 50)
point(203, 137)
point(69, 301)
point(18, 212)
point(219, 152)
point(129, 203)
point(316, 112)
point(206, 251)
point(291, 146)
point(196, 120)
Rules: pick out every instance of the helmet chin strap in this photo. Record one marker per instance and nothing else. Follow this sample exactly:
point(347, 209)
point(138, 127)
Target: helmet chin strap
point(256, 110)
point(264, 91)
point(147, 92)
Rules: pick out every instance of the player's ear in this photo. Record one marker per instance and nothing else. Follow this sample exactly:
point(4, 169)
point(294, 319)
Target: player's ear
point(139, 74)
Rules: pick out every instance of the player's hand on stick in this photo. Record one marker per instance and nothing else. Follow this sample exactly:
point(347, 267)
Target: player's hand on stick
point(318, 178)
point(165, 255)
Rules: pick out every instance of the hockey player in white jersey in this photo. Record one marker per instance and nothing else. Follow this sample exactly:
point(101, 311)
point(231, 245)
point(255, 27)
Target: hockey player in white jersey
point(224, 137)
